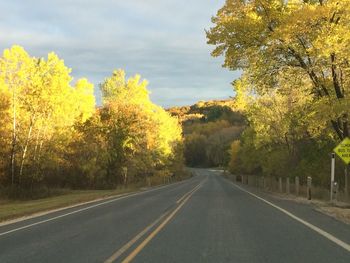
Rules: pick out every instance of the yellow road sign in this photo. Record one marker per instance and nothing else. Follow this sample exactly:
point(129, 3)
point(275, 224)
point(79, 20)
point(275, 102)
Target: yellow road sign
point(343, 150)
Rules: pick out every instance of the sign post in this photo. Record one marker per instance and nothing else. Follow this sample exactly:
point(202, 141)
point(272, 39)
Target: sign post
point(343, 151)
point(332, 174)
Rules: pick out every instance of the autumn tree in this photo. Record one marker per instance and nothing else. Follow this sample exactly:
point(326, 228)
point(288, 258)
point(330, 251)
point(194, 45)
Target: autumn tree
point(274, 40)
point(43, 107)
point(128, 138)
point(295, 81)
point(53, 136)
point(209, 128)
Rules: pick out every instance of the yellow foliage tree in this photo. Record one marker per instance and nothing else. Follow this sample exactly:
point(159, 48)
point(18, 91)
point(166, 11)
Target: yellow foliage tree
point(274, 40)
point(43, 106)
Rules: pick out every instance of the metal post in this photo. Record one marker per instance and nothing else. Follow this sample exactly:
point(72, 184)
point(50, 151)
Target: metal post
point(335, 192)
point(332, 174)
point(346, 182)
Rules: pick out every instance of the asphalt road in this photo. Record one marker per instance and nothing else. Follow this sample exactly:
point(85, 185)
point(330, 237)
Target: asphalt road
point(203, 219)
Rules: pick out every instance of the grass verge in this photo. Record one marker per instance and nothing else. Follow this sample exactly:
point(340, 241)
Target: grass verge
point(17, 209)
point(12, 209)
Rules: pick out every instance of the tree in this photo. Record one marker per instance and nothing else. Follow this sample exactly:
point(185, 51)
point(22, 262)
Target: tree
point(233, 164)
point(143, 137)
point(271, 40)
point(5, 131)
point(51, 134)
point(195, 150)
point(44, 106)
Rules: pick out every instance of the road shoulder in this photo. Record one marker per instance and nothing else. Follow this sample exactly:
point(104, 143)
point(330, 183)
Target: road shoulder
point(307, 211)
point(34, 209)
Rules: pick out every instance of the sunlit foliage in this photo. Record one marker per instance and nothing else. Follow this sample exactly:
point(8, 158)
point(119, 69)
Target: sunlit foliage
point(52, 134)
point(277, 42)
point(294, 89)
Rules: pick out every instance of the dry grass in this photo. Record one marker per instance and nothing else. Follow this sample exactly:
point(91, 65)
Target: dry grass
point(340, 213)
point(17, 209)
point(10, 209)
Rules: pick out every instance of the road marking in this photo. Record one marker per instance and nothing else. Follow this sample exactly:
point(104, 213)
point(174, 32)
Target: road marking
point(309, 225)
point(87, 208)
point(137, 250)
point(124, 248)
point(185, 195)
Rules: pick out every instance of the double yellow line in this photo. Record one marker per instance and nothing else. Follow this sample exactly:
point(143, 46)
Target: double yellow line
point(167, 216)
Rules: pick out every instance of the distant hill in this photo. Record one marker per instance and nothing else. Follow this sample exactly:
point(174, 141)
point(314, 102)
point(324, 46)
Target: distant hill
point(208, 111)
point(209, 128)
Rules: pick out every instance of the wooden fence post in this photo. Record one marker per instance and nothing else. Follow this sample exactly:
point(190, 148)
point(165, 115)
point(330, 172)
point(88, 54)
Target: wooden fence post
point(297, 183)
point(309, 185)
point(263, 182)
point(280, 189)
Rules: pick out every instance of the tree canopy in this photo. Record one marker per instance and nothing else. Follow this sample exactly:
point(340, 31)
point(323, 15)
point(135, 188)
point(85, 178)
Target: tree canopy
point(294, 89)
point(53, 135)
point(290, 43)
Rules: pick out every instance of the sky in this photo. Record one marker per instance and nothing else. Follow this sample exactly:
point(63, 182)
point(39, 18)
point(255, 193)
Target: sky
point(162, 40)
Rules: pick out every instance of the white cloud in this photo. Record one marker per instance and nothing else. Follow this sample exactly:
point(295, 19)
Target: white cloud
point(163, 40)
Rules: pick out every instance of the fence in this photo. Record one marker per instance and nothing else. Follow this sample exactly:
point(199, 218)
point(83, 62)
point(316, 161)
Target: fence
point(291, 186)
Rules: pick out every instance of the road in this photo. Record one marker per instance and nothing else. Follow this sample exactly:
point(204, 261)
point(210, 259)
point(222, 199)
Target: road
point(203, 219)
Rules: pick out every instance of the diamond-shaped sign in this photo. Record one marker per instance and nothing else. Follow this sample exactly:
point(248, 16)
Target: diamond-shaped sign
point(343, 150)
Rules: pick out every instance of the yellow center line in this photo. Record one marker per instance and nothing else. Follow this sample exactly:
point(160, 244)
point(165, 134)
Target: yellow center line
point(137, 250)
point(185, 195)
point(124, 248)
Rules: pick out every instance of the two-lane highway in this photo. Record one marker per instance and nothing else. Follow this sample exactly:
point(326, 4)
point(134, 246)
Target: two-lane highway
point(203, 219)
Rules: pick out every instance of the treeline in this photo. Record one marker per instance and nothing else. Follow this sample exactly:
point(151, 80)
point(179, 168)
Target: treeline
point(209, 128)
point(53, 136)
point(295, 86)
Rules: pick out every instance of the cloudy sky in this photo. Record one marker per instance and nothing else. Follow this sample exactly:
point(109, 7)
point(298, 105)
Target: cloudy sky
point(163, 40)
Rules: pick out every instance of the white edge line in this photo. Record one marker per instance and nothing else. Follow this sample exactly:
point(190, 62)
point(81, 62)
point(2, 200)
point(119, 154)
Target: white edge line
point(87, 208)
point(309, 225)
point(50, 211)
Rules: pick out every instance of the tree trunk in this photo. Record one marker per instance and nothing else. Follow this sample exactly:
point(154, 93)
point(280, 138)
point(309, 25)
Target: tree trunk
point(14, 138)
point(36, 145)
point(26, 147)
point(39, 147)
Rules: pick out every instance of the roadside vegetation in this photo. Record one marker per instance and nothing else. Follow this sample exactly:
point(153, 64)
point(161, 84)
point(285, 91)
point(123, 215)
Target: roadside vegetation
point(13, 209)
point(291, 108)
point(52, 135)
point(295, 86)
point(291, 104)
point(209, 128)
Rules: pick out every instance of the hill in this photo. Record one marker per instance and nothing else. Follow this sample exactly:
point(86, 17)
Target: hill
point(209, 129)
